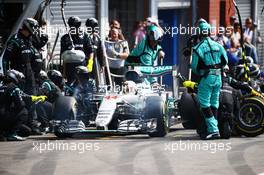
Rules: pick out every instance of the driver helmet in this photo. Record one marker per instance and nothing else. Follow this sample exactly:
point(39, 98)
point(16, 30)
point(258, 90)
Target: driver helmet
point(129, 87)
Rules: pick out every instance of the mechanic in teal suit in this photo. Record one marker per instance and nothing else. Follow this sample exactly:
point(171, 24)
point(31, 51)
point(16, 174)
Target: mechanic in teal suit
point(148, 50)
point(209, 58)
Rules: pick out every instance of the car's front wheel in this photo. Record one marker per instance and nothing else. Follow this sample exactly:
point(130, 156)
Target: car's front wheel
point(155, 109)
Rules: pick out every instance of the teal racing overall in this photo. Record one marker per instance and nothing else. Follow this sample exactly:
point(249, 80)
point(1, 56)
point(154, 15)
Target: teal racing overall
point(209, 58)
point(145, 55)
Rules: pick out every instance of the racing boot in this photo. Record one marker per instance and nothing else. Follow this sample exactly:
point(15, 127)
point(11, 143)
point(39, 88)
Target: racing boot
point(14, 137)
point(212, 129)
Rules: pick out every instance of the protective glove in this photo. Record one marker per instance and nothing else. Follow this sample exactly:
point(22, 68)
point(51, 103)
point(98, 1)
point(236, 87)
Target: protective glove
point(189, 84)
point(90, 65)
point(255, 93)
point(40, 98)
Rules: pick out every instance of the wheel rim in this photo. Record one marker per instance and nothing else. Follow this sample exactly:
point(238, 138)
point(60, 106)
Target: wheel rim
point(251, 115)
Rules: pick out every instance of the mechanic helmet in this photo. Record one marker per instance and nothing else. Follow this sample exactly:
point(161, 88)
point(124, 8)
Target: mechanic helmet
point(154, 33)
point(43, 75)
point(204, 27)
point(91, 22)
point(254, 71)
point(74, 21)
point(152, 21)
point(82, 73)
point(15, 76)
point(56, 77)
point(249, 60)
point(31, 25)
point(40, 41)
point(240, 71)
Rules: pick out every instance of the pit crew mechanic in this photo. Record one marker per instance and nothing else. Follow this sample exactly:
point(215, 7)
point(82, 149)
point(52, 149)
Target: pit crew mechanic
point(92, 24)
point(80, 42)
point(148, 50)
point(209, 58)
point(19, 55)
point(13, 111)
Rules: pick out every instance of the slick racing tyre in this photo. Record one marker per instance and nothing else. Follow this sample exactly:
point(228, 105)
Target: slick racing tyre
point(189, 110)
point(250, 119)
point(155, 109)
point(64, 108)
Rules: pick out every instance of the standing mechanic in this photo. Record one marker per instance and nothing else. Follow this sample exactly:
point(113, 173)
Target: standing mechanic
point(19, 55)
point(97, 49)
point(79, 42)
point(148, 50)
point(209, 58)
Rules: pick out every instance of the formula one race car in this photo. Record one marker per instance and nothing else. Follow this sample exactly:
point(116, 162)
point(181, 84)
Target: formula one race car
point(135, 108)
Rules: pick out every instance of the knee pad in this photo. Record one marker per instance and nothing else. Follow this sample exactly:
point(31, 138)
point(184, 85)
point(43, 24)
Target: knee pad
point(214, 111)
point(207, 112)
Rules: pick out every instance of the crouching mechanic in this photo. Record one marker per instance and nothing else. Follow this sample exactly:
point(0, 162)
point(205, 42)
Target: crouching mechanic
point(209, 58)
point(148, 50)
point(13, 111)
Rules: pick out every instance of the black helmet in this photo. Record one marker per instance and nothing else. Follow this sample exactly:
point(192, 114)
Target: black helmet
point(82, 73)
point(31, 25)
point(15, 76)
point(40, 40)
point(56, 77)
point(74, 21)
point(91, 22)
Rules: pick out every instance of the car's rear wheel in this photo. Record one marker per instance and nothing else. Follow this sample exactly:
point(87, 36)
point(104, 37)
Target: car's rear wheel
point(251, 117)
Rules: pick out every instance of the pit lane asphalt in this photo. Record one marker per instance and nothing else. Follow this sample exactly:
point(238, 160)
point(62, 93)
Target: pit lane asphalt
point(180, 152)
